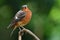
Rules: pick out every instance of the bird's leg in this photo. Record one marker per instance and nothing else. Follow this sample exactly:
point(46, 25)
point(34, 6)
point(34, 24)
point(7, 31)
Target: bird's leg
point(20, 33)
point(22, 27)
point(21, 30)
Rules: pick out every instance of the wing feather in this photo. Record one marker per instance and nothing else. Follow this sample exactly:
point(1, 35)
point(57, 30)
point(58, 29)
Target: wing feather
point(19, 15)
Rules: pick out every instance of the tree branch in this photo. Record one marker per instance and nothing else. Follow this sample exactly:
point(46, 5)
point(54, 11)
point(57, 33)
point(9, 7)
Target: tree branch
point(19, 36)
point(28, 31)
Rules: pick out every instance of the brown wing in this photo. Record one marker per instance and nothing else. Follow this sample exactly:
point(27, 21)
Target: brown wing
point(20, 15)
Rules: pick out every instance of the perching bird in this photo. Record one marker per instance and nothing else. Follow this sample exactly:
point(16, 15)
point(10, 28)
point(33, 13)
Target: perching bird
point(21, 18)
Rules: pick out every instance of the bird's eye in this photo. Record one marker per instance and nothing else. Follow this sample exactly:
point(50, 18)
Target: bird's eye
point(25, 7)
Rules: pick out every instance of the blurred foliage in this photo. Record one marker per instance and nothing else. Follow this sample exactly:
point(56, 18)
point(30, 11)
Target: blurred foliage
point(45, 22)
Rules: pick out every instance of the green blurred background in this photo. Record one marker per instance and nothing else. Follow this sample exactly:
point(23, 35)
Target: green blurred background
point(45, 22)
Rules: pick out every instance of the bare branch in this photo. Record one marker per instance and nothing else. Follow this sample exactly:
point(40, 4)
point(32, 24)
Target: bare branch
point(31, 33)
point(19, 36)
point(28, 31)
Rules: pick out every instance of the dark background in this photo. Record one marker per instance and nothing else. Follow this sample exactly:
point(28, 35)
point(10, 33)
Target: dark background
point(45, 22)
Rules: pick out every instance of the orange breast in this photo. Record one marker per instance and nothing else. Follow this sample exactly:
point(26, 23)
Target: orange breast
point(26, 19)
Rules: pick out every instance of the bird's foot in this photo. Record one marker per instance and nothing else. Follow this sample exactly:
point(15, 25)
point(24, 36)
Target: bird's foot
point(21, 30)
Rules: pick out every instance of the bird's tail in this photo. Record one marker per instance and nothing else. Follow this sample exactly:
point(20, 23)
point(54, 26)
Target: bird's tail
point(13, 31)
point(10, 25)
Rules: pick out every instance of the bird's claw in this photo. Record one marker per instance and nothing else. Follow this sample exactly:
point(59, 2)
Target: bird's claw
point(21, 31)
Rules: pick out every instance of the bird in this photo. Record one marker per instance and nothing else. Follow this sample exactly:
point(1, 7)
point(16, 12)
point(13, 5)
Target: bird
point(21, 18)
